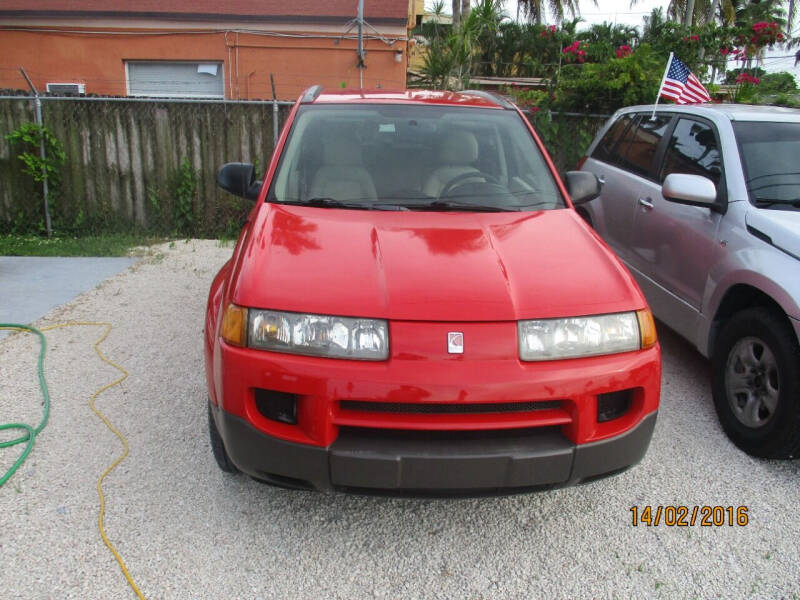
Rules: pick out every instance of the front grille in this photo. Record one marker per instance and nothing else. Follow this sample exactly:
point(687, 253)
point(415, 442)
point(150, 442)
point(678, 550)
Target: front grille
point(428, 408)
point(410, 435)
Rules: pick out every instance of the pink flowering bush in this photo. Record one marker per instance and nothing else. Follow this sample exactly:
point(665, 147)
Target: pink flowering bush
point(549, 32)
point(574, 50)
point(747, 78)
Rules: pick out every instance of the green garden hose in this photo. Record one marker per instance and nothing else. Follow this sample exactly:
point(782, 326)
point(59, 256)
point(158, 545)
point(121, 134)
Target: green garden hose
point(30, 433)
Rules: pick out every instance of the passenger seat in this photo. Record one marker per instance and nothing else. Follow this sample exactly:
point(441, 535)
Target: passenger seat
point(342, 175)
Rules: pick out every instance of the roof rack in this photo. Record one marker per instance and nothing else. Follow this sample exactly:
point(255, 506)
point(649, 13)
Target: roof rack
point(492, 96)
point(311, 94)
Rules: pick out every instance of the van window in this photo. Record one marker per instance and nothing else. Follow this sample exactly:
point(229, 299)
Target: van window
point(638, 148)
point(693, 149)
point(605, 148)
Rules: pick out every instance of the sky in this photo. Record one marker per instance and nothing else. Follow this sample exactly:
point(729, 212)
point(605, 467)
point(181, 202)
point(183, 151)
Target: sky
point(621, 11)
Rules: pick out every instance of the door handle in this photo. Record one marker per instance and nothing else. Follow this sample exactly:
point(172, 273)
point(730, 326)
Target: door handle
point(601, 179)
point(647, 203)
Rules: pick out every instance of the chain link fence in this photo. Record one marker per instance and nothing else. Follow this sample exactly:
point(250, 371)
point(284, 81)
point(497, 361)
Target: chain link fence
point(136, 165)
point(150, 165)
point(566, 136)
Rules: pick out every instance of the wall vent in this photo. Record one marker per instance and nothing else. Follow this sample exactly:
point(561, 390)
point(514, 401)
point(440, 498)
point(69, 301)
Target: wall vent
point(66, 89)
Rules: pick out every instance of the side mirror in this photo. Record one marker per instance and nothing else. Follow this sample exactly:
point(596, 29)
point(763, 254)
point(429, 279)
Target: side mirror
point(694, 190)
point(582, 186)
point(239, 179)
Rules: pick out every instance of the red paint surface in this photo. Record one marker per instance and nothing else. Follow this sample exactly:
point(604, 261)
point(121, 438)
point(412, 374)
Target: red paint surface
point(427, 273)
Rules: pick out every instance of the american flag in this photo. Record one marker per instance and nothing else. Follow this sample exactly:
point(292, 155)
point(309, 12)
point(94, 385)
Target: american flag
point(682, 86)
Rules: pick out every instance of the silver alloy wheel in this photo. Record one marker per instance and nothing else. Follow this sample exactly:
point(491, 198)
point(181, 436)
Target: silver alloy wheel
point(751, 382)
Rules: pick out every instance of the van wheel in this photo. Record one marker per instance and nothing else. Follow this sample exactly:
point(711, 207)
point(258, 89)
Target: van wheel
point(756, 383)
point(218, 447)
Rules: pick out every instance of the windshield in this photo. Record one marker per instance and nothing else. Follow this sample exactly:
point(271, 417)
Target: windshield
point(412, 157)
point(770, 154)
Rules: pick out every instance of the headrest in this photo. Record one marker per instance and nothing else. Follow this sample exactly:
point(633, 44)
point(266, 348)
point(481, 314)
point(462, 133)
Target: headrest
point(340, 150)
point(458, 148)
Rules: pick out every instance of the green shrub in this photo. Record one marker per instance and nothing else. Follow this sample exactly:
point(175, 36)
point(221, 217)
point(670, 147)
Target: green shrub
point(186, 182)
point(605, 87)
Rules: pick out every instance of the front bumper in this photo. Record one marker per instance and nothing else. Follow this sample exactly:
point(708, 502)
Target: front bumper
point(431, 462)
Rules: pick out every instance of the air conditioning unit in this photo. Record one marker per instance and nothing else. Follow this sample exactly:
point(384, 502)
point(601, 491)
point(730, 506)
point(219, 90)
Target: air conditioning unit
point(66, 89)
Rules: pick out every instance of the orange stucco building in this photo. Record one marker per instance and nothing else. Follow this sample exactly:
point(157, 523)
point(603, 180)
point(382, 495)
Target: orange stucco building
point(201, 48)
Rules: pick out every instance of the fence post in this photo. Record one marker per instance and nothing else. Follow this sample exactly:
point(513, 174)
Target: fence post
point(37, 102)
point(274, 114)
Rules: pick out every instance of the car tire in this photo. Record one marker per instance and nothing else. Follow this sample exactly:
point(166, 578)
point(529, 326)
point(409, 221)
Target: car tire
point(218, 447)
point(756, 383)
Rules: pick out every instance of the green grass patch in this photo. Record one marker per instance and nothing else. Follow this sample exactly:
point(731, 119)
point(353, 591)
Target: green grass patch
point(102, 245)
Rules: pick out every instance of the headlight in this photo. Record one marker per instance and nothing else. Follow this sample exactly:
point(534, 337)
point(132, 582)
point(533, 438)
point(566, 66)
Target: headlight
point(318, 335)
point(553, 339)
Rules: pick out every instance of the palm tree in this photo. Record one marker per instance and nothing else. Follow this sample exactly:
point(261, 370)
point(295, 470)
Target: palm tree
point(460, 10)
point(449, 62)
point(696, 12)
point(535, 10)
point(437, 10)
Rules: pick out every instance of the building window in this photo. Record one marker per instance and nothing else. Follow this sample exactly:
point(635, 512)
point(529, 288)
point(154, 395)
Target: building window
point(175, 79)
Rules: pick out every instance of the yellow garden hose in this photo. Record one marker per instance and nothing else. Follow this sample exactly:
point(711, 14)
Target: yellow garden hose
point(31, 432)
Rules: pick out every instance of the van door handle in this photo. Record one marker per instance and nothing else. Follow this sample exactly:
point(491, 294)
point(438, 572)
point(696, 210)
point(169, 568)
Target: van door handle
point(647, 203)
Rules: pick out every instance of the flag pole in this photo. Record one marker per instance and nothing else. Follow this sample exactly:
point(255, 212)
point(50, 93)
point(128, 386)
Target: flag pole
point(663, 79)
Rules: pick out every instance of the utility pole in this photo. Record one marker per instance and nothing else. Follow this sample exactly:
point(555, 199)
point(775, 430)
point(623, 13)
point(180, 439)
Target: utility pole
point(361, 52)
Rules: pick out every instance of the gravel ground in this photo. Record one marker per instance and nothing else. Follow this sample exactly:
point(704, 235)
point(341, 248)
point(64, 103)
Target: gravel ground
point(186, 530)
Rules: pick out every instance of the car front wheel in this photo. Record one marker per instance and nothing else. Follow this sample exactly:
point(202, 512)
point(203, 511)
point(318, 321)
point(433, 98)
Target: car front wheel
point(756, 383)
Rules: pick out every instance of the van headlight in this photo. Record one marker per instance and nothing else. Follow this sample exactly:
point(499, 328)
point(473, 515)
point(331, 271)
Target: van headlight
point(554, 339)
point(317, 335)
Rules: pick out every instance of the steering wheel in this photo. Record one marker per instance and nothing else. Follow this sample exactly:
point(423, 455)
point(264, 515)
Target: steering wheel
point(460, 179)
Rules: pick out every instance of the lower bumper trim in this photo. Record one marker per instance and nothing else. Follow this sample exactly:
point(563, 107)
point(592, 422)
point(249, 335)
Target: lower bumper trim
point(390, 462)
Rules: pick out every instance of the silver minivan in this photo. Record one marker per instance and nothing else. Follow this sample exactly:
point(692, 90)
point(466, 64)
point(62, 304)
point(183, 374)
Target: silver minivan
point(702, 203)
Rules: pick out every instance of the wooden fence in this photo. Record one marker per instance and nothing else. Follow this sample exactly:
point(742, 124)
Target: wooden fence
point(127, 160)
point(151, 165)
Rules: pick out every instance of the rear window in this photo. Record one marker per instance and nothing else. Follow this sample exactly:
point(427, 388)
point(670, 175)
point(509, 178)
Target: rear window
point(410, 156)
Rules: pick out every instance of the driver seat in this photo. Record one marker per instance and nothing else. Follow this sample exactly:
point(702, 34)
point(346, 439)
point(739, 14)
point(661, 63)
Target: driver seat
point(457, 154)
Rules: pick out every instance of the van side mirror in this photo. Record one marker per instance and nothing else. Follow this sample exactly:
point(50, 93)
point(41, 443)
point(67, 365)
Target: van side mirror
point(582, 186)
point(239, 179)
point(694, 190)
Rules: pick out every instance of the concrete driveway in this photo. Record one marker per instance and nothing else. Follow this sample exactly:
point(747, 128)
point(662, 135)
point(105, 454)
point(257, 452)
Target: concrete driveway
point(188, 531)
point(30, 286)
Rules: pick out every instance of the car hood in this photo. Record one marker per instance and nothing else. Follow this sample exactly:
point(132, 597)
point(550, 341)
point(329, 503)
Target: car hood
point(781, 226)
point(429, 266)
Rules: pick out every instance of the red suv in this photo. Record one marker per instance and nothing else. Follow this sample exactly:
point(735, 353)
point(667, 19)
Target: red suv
point(415, 306)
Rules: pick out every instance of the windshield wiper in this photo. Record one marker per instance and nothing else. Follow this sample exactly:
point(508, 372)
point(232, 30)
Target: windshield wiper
point(465, 206)
point(334, 203)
